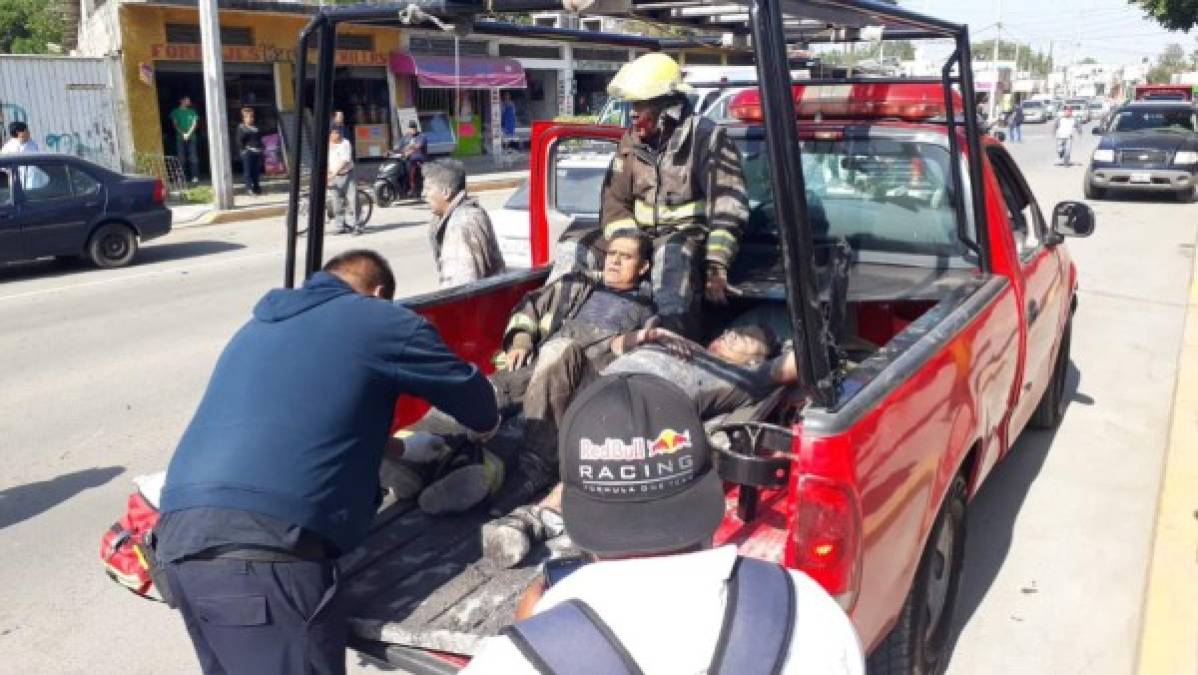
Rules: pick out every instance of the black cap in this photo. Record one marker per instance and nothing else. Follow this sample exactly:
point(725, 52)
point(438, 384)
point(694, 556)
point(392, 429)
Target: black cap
point(637, 473)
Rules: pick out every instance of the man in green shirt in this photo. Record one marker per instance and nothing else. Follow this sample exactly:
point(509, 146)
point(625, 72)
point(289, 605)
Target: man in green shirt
point(186, 121)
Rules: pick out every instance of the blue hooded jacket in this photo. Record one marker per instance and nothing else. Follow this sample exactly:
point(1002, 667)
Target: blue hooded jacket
point(298, 411)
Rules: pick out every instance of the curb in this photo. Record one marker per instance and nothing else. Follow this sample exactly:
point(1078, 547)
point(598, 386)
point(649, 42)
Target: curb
point(1169, 630)
point(235, 215)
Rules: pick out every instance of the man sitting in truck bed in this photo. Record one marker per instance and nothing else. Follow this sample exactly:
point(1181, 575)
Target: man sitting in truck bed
point(575, 327)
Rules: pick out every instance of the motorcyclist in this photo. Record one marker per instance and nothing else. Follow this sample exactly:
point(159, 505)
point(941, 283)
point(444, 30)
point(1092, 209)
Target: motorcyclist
point(677, 177)
point(412, 151)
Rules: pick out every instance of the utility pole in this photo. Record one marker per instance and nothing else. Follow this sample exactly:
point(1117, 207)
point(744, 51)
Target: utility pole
point(994, 64)
point(219, 162)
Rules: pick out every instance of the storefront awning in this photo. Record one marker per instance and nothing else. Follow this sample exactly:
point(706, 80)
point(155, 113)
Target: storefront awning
point(469, 72)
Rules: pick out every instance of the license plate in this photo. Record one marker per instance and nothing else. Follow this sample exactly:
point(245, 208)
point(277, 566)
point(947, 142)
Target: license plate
point(1141, 178)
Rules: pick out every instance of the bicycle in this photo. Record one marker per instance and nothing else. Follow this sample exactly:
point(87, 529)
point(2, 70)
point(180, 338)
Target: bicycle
point(365, 209)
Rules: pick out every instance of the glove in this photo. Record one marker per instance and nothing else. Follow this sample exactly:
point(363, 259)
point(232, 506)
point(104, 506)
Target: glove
point(423, 448)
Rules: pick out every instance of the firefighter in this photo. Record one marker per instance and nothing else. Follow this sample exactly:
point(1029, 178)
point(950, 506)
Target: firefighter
point(677, 177)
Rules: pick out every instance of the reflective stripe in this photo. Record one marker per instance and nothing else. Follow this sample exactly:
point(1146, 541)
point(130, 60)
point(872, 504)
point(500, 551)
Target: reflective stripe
point(722, 235)
point(523, 323)
point(668, 215)
point(546, 324)
point(617, 225)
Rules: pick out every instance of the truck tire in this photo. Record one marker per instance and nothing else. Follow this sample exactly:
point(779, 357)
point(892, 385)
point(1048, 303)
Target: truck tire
point(1094, 193)
point(1185, 196)
point(112, 245)
point(918, 643)
point(1051, 409)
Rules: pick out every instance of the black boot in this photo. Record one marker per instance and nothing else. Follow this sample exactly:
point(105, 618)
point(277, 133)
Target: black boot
point(530, 479)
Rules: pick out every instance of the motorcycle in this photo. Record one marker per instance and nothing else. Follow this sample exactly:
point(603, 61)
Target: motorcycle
point(391, 181)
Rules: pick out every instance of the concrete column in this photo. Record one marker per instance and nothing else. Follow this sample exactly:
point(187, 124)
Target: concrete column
point(214, 94)
point(565, 83)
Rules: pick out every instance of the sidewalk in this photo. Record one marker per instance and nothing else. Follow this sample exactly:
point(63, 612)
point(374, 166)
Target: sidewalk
point(482, 173)
point(1169, 631)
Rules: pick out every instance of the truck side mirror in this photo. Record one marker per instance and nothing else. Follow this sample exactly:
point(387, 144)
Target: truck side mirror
point(1071, 219)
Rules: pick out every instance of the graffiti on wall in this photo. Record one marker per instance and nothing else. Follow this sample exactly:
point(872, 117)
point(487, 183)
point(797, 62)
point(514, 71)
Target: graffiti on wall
point(11, 112)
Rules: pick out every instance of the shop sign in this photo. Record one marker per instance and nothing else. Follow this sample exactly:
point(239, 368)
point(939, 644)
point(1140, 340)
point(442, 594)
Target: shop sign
point(600, 66)
point(260, 54)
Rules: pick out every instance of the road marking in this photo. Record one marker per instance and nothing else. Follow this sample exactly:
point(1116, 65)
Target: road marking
point(1169, 631)
point(139, 275)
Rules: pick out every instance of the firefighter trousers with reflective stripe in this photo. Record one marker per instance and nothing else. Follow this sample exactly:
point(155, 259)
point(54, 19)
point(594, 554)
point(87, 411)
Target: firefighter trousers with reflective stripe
point(250, 617)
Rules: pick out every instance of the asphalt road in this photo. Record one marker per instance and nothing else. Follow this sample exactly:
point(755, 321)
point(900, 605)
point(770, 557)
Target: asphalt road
point(102, 370)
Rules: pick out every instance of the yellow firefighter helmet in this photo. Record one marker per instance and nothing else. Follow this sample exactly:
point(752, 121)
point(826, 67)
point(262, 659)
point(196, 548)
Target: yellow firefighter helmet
point(651, 76)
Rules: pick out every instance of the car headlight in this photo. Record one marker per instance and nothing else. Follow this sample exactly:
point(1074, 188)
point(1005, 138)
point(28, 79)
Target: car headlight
point(1104, 155)
point(1186, 157)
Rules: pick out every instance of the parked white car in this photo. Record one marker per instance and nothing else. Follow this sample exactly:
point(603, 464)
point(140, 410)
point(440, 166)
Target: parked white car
point(576, 196)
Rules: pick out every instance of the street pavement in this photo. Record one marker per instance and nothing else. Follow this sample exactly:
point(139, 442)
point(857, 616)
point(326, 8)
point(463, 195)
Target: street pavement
point(1059, 536)
point(102, 370)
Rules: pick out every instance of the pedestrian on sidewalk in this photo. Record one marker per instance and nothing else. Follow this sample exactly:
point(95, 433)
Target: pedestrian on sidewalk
point(1066, 128)
point(1016, 124)
point(249, 139)
point(186, 122)
point(460, 233)
point(650, 594)
point(342, 187)
point(19, 140)
point(507, 122)
point(257, 506)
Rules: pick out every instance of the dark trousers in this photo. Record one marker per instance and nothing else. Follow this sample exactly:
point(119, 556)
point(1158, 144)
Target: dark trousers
point(542, 391)
point(262, 618)
point(251, 166)
point(189, 155)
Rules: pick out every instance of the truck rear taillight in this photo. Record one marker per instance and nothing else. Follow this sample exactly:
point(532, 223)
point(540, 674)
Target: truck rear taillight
point(159, 192)
point(827, 537)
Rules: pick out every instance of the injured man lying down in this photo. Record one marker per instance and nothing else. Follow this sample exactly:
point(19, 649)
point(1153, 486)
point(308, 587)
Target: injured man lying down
point(738, 368)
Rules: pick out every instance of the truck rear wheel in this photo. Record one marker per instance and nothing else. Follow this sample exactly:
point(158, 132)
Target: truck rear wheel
point(918, 643)
point(1051, 409)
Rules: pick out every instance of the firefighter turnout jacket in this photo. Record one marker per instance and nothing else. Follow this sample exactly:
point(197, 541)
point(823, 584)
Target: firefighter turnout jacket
point(693, 184)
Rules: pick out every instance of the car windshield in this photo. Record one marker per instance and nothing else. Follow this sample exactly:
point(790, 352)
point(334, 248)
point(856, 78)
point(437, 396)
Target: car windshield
point(579, 191)
point(881, 195)
point(1142, 120)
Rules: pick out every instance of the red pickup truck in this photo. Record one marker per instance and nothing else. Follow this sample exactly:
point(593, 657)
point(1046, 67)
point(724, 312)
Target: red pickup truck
point(929, 301)
point(1164, 92)
point(941, 367)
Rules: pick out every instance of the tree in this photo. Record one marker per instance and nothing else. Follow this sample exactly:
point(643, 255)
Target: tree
point(29, 26)
point(1179, 15)
point(903, 50)
point(1030, 59)
point(1171, 61)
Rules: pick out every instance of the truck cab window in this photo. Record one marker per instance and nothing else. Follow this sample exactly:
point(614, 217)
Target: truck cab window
point(1023, 214)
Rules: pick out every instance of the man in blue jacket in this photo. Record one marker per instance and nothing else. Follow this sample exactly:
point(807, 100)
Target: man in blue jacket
point(277, 474)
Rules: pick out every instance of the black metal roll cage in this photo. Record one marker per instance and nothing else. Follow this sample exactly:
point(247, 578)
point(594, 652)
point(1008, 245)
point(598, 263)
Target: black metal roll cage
point(770, 26)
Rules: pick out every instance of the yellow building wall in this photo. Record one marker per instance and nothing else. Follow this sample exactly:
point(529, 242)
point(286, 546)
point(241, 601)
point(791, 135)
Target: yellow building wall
point(143, 31)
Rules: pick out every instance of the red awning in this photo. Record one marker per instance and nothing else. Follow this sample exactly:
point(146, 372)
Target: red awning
point(470, 72)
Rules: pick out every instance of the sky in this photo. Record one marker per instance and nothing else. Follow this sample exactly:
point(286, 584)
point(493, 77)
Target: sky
point(1111, 31)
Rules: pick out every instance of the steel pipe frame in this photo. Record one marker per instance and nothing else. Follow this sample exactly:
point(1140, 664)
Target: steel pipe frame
point(771, 37)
